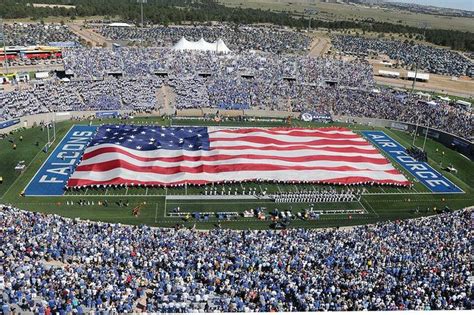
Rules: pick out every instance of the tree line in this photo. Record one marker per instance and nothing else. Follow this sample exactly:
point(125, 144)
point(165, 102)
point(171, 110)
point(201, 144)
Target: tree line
point(167, 12)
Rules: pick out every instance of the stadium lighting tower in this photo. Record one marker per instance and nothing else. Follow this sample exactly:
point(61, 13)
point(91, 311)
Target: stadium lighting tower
point(426, 136)
point(3, 39)
point(309, 13)
point(424, 26)
point(141, 9)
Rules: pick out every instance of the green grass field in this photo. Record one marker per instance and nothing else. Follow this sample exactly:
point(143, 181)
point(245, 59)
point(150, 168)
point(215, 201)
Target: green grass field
point(338, 12)
point(376, 204)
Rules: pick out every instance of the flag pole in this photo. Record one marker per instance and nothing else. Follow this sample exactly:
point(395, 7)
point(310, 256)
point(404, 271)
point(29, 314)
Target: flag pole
point(3, 37)
point(426, 135)
point(47, 129)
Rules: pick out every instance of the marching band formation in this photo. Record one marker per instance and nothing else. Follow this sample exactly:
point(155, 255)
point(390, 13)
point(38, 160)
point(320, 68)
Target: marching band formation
point(325, 195)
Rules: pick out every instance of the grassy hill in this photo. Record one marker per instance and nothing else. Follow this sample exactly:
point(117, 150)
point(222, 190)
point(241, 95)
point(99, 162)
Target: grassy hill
point(337, 12)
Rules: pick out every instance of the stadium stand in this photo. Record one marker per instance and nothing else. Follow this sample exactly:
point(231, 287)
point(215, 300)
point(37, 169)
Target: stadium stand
point(55, 264)
point(431, 59)
point(241, 81)
point(25, 34)
point(238, 38)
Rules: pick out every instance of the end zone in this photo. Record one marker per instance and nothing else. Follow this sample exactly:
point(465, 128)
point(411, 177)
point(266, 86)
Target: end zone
point(52, 176)
point(428, 176)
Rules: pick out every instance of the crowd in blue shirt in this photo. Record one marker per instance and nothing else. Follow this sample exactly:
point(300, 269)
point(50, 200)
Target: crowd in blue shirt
point(129, 78)
point(54, 264)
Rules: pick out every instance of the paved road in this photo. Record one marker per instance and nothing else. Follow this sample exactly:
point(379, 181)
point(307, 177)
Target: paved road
point(89, 35)
point(319, 46)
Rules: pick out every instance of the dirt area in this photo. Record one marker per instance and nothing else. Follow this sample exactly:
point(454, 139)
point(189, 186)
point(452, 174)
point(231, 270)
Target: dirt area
point(89, 35)
point(319, 46)
point(166, 100)
point(463, 86)
point(332, 11)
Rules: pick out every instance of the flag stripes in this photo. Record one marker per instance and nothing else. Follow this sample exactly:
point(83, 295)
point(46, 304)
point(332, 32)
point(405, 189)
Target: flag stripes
point(145, 155)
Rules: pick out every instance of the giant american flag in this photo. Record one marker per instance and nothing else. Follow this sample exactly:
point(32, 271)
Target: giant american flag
point(168, 156)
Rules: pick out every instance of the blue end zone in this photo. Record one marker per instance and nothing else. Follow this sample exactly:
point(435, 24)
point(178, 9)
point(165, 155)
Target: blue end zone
point(56, 170)
point(431, 178)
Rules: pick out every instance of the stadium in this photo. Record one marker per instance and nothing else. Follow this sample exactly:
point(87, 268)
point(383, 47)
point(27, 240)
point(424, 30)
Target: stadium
point(225, 167)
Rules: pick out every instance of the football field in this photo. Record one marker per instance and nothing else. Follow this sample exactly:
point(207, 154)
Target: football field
point(224, 204)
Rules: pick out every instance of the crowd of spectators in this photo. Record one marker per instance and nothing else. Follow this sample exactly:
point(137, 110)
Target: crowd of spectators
point(237, 81)
point(209, 80)
point(81, 95)
point(386, 104)
point(31, 34)
point(237, 38)
point(428, 58)
point(50, 264)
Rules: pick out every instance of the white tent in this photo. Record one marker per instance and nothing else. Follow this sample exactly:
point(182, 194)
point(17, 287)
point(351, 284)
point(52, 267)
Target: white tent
point(419, 76)
point(444, 98)
point(389, 74)
point(119, 24)
point(202, 45)
point(183, 44)
point(222, 47)
point(41, 75)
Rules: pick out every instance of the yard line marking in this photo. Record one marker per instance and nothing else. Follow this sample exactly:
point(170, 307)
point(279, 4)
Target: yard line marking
point(368, 204)
point(366, 211)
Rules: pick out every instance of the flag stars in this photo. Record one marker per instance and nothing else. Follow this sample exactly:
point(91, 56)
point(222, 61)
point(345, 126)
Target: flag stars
point(153, 138)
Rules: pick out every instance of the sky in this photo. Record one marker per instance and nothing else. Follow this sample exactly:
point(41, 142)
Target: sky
point(454, 4)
